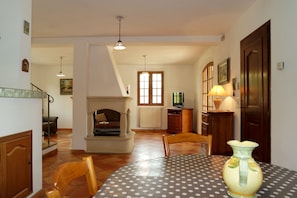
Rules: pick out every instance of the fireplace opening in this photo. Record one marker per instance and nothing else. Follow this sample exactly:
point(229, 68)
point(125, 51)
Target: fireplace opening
point(115, 136)
point(106, 122)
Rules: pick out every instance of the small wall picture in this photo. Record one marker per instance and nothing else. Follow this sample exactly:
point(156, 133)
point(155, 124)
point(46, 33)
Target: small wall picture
point(235, 85)
point(25, 65)
point(224, 72)
point(26, 27)
point(66, 86)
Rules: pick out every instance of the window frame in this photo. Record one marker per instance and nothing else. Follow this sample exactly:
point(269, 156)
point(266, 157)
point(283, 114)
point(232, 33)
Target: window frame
point(150, 88)
point(207, 84)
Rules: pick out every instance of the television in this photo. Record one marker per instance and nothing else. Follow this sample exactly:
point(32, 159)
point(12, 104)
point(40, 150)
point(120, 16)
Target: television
point(178, 99)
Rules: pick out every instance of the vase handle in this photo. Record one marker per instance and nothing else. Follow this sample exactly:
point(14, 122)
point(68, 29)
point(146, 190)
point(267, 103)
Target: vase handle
point(243, 172)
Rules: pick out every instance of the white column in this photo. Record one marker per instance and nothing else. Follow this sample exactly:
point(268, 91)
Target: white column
point(15, 45)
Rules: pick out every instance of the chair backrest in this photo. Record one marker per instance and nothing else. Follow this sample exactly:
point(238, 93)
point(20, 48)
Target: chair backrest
point(186, 137)
point(53, 193)
point(69, 171)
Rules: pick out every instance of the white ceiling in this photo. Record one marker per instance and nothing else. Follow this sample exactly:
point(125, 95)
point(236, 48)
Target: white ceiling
point(167, 31)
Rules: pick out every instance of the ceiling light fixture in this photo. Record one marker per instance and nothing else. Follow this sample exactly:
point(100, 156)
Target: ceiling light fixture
point(60, 74)
point(144, 72)
point(119, 44)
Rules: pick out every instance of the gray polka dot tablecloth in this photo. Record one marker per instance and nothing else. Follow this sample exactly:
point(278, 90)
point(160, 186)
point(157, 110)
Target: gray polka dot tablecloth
point(190, 176)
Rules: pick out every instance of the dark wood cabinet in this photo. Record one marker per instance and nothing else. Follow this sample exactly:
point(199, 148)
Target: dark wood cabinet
point(220, 125)
point(16, 165)
point(180, 120)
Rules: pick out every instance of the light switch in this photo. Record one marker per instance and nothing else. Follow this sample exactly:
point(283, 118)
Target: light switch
point(280, 65)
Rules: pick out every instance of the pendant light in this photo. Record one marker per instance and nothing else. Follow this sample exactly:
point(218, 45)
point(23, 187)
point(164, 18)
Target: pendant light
point(144, 72)
point(61, 74)
point(119, 44)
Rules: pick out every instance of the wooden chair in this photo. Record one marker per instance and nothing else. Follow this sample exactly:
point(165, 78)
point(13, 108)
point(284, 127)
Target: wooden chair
point(186, 137)
point(68, 172)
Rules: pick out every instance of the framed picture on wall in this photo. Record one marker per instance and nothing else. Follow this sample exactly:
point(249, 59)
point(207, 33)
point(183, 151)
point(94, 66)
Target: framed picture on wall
point(25, 65)
point(66, 86)
point(224, 72)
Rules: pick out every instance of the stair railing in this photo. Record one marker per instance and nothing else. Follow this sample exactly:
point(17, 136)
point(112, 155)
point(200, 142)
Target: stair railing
point(50, 99)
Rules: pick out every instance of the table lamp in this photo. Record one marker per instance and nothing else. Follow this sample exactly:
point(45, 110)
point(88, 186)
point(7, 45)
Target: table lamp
point(217, 90)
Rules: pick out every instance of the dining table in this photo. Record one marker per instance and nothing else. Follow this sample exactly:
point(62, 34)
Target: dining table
point(188, 176)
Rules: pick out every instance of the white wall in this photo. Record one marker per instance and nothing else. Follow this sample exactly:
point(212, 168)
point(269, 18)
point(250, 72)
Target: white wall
point(45, 78)
point(14, 43)
point(283, 34)
point(176, 78)
point(103, 78)
point(19, 114)
point(80, 84)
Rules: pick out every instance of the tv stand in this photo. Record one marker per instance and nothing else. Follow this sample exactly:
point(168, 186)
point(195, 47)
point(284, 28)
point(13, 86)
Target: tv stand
point(180, 120)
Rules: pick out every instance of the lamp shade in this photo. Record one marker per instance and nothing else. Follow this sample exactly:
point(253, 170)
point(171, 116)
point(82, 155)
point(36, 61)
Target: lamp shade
point(217, 90)
point(61, 74)
point(119, 45)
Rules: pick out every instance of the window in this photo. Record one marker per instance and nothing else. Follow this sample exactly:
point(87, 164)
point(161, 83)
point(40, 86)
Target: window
point(150, 88)
point(207, 83)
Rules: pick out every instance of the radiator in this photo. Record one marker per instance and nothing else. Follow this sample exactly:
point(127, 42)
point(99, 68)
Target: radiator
point(150, 117)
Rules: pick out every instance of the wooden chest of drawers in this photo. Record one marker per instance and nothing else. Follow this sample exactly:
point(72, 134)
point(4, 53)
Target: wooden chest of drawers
point(180, 120)
point(220, 125)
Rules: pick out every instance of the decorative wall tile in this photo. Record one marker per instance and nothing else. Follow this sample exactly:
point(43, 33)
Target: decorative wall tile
point(20, 93)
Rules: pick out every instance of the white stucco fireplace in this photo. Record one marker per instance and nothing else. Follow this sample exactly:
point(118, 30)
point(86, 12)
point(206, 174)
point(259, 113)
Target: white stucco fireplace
point(124, 143)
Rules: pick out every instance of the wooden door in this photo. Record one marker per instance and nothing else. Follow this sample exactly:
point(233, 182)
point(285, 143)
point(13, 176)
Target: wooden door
point(16, 165)
point(255, 91)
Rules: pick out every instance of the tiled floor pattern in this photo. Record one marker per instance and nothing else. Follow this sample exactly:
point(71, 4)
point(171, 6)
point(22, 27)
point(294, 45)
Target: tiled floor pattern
point(148, 145)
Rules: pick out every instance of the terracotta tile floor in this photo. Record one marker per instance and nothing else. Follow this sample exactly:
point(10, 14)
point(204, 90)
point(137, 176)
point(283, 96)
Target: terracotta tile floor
point(148, 145)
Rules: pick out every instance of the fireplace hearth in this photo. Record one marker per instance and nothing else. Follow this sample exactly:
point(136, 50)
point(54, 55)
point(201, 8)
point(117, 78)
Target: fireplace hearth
point(123, 141)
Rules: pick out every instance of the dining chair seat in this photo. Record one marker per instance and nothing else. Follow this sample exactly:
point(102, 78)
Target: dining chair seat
point(186, 137)
point(69, 171)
